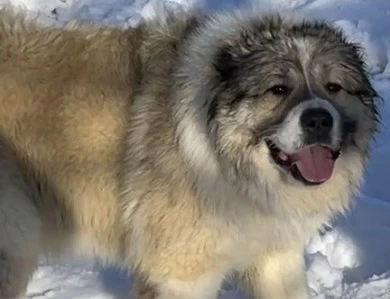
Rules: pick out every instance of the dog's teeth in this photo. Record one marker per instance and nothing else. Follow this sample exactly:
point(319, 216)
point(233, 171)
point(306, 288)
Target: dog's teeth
point(283, 156)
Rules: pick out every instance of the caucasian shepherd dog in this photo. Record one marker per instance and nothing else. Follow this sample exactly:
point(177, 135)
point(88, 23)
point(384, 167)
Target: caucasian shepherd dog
point(185, 150)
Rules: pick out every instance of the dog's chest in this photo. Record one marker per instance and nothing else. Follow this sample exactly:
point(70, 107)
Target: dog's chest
point(243, 244)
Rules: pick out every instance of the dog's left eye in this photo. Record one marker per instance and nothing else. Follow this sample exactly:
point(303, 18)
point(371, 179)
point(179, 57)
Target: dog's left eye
point(279, 90)
point(333, 87)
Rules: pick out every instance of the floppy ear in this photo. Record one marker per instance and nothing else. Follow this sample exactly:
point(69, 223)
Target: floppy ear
point(228, 57)
point(194, 23)
point(244, 43)
point(370, 97)
point(367, 93)
point(226, 62)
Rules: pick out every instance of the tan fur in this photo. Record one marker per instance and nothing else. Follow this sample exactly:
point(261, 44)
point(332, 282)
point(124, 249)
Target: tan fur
point(93, 161)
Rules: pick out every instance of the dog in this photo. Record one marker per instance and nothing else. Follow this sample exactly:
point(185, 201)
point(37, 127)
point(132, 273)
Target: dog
point(189, 149)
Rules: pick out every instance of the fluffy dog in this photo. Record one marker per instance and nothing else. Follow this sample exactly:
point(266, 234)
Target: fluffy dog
point(184, 150)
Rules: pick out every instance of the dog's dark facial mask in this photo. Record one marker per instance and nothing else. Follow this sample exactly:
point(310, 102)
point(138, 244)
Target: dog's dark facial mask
point(301, 90)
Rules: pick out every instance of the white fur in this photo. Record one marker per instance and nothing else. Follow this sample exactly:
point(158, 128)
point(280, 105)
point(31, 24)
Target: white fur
point(205, 287)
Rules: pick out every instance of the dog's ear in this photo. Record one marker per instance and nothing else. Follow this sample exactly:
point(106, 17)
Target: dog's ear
point(194, 24)
point(229, 56)
point(357, 59)
point(245, 42)
point(370, 97)
point(226, 62)
point(366, 91)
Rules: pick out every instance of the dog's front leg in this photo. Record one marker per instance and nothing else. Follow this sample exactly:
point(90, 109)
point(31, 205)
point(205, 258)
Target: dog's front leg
point(205, 286)
point(277, 275)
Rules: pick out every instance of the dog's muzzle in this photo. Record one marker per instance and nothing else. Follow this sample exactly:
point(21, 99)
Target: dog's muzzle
point(308, 142)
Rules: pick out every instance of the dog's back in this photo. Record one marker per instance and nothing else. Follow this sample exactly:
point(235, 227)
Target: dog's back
point(63, 101)
point(66, 100)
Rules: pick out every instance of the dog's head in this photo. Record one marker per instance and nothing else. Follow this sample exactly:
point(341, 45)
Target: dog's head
point(287, 102)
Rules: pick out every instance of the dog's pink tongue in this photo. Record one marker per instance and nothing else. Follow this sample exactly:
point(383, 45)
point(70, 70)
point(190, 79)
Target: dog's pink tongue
point(314, 163)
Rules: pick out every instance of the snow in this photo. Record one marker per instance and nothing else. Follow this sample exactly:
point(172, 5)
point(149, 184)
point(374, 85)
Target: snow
point(349, 260)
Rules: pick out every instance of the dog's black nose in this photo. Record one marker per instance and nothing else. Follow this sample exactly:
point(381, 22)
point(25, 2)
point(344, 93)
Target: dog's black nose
point(317, 122)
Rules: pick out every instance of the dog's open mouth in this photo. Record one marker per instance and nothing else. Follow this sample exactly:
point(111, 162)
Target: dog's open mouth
point(312, 165)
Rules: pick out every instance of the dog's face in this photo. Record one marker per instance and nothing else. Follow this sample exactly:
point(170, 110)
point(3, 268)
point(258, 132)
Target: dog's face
point(293, 100)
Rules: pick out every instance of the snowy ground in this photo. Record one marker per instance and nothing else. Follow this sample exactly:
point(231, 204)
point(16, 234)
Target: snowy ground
point(351, 261)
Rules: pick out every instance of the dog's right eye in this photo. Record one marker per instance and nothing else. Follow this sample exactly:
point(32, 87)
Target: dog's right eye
point(333, 87)
point(279, 90)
